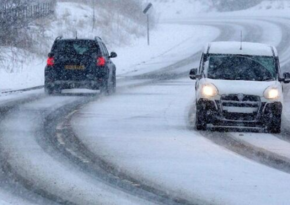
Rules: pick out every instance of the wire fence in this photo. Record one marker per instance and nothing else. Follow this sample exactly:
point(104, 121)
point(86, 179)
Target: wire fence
point(16, 18)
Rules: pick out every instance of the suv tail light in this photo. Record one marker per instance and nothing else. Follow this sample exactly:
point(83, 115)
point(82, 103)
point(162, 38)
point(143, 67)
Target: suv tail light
point(101, 61)
point(50, 61)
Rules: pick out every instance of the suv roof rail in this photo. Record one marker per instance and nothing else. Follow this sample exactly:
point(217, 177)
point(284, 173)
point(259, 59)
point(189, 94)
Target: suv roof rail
point(273, 51)
point(97, 38)
point(59, 37)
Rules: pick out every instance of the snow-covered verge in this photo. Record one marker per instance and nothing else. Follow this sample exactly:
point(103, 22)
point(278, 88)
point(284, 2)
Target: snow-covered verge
point(20, 69)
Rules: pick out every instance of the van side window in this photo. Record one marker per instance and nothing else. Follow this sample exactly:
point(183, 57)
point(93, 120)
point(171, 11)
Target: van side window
point(201, 64)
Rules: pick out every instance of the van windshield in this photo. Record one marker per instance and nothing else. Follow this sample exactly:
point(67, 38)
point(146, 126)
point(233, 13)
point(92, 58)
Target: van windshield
point(240, 67)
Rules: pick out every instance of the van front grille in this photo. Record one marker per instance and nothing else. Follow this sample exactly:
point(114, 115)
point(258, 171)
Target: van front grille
point(239, 107)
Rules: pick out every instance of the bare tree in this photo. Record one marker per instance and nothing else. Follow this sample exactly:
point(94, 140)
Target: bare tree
point(15, 16)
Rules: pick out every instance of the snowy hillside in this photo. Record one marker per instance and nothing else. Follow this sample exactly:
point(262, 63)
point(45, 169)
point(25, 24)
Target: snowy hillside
point(25, 67)
point(272, 4)
point(176, 8)
point(76, 19)
point(121, 34)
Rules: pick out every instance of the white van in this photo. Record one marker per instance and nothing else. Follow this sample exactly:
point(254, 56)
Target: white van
point(239, 85)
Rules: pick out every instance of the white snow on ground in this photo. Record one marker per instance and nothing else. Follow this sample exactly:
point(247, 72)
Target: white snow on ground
point(50, 171)
point(267, 142)
point(11, 199)
point(144, 132)
point(169, 44)
point(8, 99)
point(20, 69)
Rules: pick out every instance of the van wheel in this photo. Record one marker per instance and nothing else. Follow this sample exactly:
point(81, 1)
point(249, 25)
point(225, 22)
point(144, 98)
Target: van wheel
point(274, 126)
point(200, 120)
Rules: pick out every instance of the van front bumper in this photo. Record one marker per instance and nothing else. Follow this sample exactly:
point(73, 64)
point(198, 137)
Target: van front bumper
point(242, 114)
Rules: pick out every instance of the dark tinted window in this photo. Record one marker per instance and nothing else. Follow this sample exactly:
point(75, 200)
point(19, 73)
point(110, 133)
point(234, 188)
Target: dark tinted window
point(104, 49)
point(238, 67)
point(75, 47)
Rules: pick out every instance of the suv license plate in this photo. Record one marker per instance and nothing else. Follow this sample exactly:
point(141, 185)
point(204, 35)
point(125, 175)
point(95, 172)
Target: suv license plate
point(75, 67)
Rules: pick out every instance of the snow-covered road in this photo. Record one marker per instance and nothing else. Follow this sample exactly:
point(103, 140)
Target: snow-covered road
point(147, 136)
point(138, 146)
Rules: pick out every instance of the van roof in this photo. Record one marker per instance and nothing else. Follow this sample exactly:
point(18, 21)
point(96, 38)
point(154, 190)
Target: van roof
point(234, 48)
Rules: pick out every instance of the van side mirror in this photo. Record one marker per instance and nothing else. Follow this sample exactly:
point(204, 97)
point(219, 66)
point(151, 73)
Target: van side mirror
point(50, 55)
point(286, 78)
point(113, 55)
point(193, 74)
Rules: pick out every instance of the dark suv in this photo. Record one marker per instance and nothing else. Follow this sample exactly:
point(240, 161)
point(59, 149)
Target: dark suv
point(80, 63)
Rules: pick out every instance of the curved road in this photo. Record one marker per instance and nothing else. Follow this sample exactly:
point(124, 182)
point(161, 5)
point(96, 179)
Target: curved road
point(46, 161)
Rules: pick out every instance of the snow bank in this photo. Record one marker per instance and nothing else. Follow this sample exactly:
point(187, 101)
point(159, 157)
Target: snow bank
point(20, 69)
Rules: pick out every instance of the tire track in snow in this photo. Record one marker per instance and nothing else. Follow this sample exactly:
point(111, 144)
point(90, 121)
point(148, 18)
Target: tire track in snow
point(26, 186)
point(61, 137)
point(133, 183)
point(227, 140)
point(14, 181)
point(72, 147)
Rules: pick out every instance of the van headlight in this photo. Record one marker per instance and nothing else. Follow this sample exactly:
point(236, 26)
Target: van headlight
point(272, 93)
point(209, 90)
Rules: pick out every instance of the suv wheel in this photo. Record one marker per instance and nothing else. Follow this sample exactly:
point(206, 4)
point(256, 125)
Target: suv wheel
point(105, 88)
point(114, 83)
point(274, 125)
point(48, 91)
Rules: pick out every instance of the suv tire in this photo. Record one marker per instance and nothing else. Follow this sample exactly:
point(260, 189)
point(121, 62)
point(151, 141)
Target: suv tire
point(48, 91)
point(105, 88)
point(114, 83)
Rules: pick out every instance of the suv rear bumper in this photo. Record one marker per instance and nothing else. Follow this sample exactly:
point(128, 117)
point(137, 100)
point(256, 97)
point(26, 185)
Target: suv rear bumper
point(69, 84)
point(216, 116)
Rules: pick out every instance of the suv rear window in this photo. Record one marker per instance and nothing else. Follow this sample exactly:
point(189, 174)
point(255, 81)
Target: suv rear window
point(75, 47)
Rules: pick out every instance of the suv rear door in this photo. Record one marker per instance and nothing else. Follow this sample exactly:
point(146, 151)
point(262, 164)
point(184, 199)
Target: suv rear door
point(75, 59)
